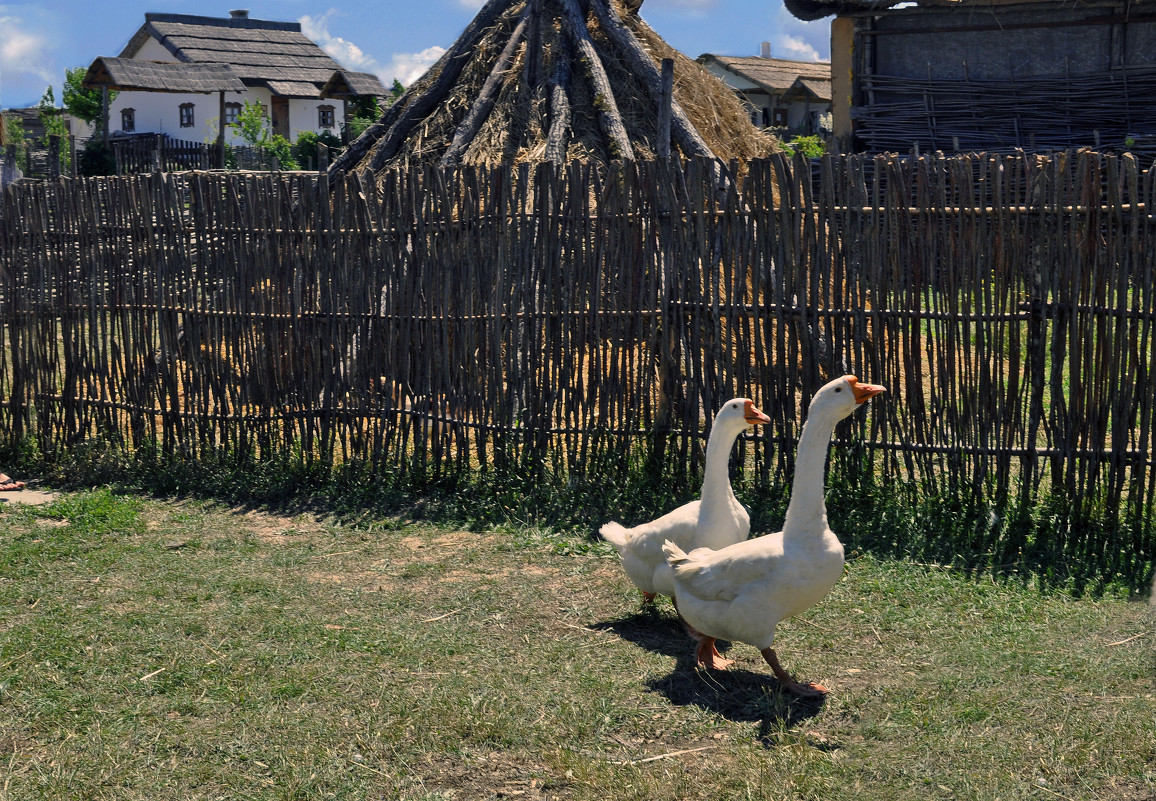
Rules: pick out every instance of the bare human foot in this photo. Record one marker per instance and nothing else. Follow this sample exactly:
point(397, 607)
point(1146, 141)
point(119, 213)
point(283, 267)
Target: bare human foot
point(8, 485)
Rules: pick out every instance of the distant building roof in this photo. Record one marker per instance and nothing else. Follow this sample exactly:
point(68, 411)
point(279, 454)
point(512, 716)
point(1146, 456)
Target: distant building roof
point(809, 88)
point(128, 74)
point(259, 52)
point(346, 83)
point(776, 75)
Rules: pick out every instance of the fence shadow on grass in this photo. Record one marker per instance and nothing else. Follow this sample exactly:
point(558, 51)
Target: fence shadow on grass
point(742, 696)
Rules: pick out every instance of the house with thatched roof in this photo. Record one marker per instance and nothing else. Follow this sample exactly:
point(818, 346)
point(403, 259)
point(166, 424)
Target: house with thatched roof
point(978, 75)
point(778, 92)
point(181, 74)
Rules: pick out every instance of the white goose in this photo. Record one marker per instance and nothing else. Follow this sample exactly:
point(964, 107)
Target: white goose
point(714, 521)
point(741, 592)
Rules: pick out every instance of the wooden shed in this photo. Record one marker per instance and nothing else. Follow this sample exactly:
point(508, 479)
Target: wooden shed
point(994, 75)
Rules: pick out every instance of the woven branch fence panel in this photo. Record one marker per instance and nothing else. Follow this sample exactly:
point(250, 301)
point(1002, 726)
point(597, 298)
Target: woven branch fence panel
point(571, 319)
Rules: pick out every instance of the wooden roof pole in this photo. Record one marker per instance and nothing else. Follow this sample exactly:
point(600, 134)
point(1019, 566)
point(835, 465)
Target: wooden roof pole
point(559, 113)
point(409, 109)
point(683, 131)
point(455, 61)
point(484, 103)
point(609, 118)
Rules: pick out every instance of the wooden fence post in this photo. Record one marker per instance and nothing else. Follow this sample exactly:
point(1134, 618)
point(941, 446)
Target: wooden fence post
point(54, 156)
point(664, 110)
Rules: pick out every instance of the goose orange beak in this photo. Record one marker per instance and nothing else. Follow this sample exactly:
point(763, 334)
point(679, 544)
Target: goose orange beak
point(864, 392)
point(754, 416)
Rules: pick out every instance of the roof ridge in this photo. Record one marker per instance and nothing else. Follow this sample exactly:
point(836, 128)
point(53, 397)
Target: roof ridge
point(224, 22)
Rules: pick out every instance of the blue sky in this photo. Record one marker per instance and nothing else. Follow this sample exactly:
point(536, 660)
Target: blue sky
point(391, 38)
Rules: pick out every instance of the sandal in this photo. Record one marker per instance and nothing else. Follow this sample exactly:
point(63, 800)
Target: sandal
point(8, 485)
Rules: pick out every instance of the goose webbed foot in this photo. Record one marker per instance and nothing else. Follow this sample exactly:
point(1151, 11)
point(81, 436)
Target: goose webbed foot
point(706, 655)
point(788, 683)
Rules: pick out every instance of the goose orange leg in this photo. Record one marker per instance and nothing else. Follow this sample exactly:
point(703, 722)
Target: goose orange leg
point(706, 655)
point(808, 690)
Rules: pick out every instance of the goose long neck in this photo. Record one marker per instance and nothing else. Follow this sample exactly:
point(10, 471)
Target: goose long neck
point(716, 474)
point(807, 507)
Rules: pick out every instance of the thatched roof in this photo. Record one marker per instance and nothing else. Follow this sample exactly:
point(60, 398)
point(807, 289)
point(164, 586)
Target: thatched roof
point(817, 9)
point(776, 75)
point(346, 83)
point(129, 74)
point(548, 80)
point(275, 55)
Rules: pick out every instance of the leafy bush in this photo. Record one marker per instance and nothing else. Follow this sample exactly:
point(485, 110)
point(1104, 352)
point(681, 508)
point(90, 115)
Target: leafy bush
point(811, 147)
point(305, 148)
point(96, 158)
point(253, 127)
point(277, 145)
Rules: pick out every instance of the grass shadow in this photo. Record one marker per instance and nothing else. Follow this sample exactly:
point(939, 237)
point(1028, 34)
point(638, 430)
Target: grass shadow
point(739, 695)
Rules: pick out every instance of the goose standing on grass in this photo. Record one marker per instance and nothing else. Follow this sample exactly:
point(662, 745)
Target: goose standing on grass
point(714, 521)
point(741, 592)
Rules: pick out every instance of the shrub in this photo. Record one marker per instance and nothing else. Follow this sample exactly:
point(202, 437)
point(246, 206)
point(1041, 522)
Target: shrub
point(305, 148)
point(811, 147)
point(96, 158)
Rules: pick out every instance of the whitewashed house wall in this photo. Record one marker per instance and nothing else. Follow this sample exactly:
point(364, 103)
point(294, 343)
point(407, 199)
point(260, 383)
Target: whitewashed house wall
point(159, 112)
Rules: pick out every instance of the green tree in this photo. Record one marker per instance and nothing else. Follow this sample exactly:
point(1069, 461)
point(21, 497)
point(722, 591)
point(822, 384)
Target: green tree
point(84, 104)
point(52, 118)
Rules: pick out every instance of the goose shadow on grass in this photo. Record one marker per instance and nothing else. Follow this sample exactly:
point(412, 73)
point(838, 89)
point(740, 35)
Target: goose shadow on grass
point(737, 694)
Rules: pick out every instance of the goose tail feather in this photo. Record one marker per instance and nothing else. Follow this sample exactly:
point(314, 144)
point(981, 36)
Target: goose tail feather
point(615, 533)
point(674, 555)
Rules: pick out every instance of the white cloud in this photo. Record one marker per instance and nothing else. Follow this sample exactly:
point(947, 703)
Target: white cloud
point(405, 67)
point(344, 52)
point(408, 67)
point(24, 59)
point(794, 47)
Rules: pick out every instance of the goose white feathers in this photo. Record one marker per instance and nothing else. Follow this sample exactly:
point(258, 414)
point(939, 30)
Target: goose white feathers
point(742, 591)
point(716, 520)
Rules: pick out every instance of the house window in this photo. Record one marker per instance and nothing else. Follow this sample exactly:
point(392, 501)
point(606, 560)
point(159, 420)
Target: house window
point(232, 111)
point(781, 117)
point(325, 117)
point(187, 115)
point(128, 120)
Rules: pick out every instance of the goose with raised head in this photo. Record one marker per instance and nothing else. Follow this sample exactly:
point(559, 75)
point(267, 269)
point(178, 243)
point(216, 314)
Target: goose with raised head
point(741, 592)
point(716, 520)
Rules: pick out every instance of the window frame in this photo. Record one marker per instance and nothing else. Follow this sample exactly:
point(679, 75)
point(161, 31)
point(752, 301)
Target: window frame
point(128, 120)
point(326, 112)
point(187, 113)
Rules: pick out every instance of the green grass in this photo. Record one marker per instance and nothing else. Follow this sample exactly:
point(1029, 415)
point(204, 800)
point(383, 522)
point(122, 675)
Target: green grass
point(187, 649)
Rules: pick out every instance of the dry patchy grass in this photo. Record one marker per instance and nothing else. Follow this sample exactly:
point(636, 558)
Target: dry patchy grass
point(182, 650)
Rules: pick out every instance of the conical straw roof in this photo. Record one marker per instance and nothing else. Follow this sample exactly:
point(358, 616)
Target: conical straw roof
point(555, 80)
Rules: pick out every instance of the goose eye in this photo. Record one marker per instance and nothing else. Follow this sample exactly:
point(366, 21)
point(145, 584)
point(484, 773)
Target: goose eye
point(838, 389)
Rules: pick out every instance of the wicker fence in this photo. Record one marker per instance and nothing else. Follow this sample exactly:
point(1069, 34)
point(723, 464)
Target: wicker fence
point(571, 319)
point(148, 153)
